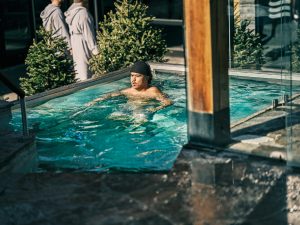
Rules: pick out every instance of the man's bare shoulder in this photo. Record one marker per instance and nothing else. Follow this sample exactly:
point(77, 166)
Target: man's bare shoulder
point(154, 90)
point(126, 91)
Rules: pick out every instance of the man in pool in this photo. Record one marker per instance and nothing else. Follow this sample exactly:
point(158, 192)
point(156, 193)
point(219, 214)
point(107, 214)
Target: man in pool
point(140, 77)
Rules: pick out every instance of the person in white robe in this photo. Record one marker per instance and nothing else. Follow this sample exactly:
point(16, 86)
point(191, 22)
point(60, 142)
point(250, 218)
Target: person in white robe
point(83, 37)
point(54, 21)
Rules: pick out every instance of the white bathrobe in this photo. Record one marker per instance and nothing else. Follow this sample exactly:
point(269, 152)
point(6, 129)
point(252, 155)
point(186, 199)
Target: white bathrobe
point(83, 38)
point(53, 20)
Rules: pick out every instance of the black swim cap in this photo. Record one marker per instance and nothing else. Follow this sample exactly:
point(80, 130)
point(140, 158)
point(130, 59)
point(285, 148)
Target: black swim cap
point(142, 68)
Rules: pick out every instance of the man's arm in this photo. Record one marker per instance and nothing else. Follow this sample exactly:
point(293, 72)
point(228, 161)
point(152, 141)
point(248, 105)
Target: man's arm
point(106, 96)
point(164, 100)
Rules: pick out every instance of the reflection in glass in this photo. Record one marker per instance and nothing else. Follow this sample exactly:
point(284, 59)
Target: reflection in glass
point(269, 27)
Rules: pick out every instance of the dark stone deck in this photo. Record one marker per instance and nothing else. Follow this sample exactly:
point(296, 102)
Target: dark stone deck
point(202, 188)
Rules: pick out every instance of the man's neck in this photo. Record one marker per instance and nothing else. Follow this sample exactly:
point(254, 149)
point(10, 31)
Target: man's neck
point(141, 89)
point(55, 3)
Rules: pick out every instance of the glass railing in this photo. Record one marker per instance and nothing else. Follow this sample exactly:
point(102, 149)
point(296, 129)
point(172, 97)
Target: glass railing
point(264, 53)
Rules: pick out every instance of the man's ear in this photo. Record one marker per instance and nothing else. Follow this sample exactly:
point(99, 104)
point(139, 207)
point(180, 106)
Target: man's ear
point(147, 78)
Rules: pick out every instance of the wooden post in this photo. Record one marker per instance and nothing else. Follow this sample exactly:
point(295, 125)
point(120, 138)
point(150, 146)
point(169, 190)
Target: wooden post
point(206, 48)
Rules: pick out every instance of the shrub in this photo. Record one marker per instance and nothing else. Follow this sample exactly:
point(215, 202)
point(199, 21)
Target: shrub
point(247, 46)
point(49, 65)
point(125, 37)
point(296, 54)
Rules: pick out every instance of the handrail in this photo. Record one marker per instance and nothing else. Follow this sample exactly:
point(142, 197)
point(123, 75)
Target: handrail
point(167, 22)
point(21, 94)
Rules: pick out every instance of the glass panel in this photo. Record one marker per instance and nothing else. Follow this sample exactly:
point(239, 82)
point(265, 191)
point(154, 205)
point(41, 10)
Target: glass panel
point(167, 9)
point(39, 6)
point(17, 31)
point(104, 7)
point(170, 10)
point(293, 119)
point(261, 36)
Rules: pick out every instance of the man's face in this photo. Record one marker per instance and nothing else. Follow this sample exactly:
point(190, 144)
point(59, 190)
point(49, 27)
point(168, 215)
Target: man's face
point(138, 81)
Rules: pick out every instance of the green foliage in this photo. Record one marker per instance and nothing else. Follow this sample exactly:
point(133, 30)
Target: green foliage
point(49, 65)
point(125, 37)
point(247, 46)
point(296, 54)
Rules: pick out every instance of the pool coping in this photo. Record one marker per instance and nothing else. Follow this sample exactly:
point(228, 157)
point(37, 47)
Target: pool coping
point(274, 76)
point(42, 97)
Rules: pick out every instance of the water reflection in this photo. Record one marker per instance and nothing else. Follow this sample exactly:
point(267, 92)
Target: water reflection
point(238, 190)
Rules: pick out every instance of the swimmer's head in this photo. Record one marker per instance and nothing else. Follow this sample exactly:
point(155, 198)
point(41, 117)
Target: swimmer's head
point(142, 68)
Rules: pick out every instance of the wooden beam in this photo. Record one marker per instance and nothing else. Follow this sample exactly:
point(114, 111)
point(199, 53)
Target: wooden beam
point(206, 43)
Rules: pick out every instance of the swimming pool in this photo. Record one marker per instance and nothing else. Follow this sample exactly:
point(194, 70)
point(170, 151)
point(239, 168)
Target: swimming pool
point(118, 135)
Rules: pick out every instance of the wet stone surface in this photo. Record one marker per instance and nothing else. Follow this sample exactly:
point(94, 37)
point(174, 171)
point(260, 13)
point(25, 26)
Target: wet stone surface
point(271, 133)
point(202, 188)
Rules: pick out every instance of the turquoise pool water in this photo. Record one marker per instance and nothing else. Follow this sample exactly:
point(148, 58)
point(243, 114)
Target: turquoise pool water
point(118, 135)
point(248, 96)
